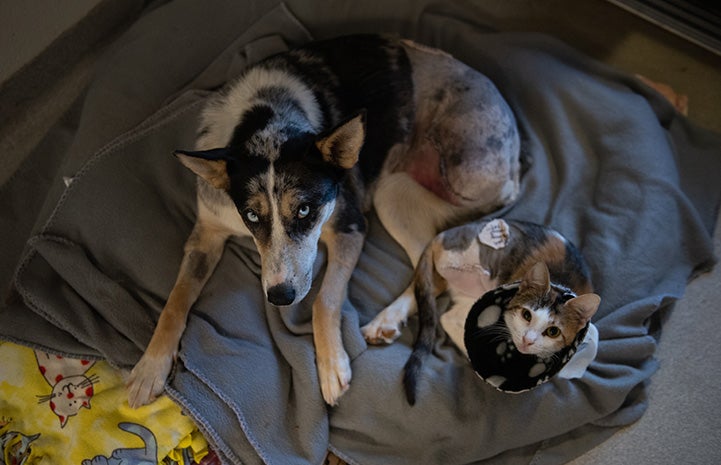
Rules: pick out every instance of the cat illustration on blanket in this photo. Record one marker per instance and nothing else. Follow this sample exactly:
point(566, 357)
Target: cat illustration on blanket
point(15, 447)
point(147, 455)
point(72, 389)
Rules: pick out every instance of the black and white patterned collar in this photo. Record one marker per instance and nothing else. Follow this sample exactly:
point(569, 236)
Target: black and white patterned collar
point(497, 360)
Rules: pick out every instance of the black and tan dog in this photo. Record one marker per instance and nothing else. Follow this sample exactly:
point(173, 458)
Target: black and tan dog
point(297, 150)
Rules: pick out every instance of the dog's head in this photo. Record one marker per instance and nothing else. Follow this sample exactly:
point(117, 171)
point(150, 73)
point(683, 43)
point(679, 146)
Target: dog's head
point(284, 183)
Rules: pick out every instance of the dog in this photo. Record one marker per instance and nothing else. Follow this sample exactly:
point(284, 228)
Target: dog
point(302, 145)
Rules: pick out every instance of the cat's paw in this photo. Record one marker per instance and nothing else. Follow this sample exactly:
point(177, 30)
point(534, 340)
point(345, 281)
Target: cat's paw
point(147, 379)
point(334, 373)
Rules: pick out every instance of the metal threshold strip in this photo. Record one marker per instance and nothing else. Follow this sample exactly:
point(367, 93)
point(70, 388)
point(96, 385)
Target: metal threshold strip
point(698, 21)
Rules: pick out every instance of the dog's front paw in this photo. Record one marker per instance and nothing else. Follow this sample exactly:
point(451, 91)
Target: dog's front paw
point(335, 375)
point(147, 379)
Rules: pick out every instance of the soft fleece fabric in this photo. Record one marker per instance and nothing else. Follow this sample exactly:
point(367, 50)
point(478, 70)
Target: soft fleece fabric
point(610, 165)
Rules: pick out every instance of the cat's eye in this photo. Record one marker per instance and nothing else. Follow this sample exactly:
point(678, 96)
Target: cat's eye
point(303, 211)
point(553, 332)
point(251, 216)
point(527, 315)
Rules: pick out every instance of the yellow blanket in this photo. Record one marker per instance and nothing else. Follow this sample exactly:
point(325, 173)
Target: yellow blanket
point(56, 410)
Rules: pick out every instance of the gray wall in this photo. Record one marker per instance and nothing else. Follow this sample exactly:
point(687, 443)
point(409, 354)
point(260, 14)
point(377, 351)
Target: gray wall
point(27, 27)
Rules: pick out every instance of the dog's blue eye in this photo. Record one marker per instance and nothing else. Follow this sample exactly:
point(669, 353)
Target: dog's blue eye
point(251, 216)
point(303, 211)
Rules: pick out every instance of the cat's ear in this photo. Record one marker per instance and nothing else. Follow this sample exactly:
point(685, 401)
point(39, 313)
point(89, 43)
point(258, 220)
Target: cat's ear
point(536, 279)
point(208, 164)
point(584, 306)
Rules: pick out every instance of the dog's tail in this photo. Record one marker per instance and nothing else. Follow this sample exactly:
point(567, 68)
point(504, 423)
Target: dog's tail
point(428, 320)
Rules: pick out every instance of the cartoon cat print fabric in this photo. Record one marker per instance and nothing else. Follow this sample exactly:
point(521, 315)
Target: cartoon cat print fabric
point(15, 447)
point(147, 454)
point(57, 410)
point(71, 388)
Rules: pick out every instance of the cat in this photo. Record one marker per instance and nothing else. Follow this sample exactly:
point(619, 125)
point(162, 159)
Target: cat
point(147, 455)
point(15, 447)
point(469, 260)
point(71, 388)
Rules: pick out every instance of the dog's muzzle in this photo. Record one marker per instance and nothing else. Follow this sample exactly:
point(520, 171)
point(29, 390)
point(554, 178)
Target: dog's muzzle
point(281, 294)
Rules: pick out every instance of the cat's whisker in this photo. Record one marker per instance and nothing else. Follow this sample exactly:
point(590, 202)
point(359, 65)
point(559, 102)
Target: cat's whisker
point(498, 334)
point(89, 381)
point(499, 338)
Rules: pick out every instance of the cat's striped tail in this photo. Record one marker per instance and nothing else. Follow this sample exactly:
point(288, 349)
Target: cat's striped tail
point(428, 321)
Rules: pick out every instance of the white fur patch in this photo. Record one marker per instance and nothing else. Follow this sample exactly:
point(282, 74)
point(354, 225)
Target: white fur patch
point(222, 116)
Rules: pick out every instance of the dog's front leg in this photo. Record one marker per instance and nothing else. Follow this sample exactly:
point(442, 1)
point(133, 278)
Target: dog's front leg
point(202, 253)
point(334, 371)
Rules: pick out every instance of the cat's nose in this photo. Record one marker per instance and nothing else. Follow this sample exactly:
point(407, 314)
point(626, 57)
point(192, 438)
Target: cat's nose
point(528, 340)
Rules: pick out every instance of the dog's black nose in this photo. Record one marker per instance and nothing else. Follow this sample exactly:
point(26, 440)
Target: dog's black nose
point(281, 294)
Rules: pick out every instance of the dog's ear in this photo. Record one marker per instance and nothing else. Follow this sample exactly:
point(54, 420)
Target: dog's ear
point(208, 164)
point(343, 145)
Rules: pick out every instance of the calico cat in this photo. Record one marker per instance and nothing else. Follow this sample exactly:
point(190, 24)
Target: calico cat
point(472, 259)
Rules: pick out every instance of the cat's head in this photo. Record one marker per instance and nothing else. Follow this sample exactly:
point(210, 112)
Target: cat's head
point(69, 396)
point(540, 321)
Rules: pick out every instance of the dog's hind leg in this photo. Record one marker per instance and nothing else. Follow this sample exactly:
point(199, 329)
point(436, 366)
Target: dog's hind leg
point(413, 216)
point(386, 326)
point(334, 369)
point(203, 250)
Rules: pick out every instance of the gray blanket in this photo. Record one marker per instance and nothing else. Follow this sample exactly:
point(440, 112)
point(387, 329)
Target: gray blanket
point(610, 164)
